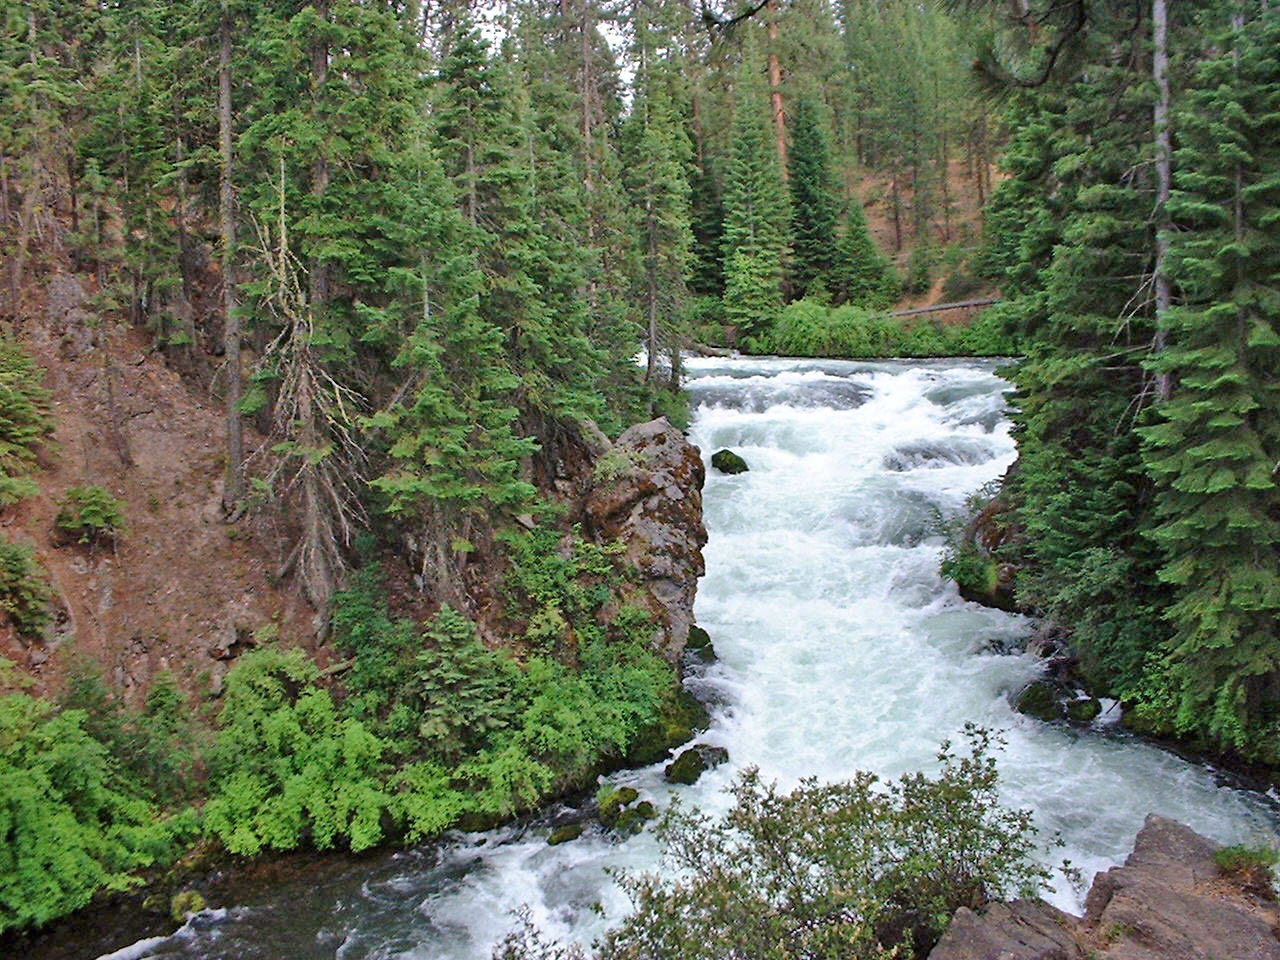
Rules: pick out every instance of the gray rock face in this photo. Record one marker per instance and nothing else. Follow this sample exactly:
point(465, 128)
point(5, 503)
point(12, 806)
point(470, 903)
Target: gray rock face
point(1019, 930)
point(1167, 902)
point(66, 319)
point(655, 507)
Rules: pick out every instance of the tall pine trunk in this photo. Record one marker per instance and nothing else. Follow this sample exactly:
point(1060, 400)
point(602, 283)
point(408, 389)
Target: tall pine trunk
point(1164, 178)
point(775, 89)
point(233, 483)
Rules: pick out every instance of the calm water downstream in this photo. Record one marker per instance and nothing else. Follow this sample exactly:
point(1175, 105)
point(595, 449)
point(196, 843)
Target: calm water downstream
point(840, 649)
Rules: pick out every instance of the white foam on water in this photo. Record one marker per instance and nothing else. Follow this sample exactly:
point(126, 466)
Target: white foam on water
point(840, 647)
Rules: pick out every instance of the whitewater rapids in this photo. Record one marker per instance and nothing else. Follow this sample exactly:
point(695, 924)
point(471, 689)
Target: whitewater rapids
point(840, 649)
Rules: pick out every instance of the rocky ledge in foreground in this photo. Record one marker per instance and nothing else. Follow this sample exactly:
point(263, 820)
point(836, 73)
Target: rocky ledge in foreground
point(1168, 902)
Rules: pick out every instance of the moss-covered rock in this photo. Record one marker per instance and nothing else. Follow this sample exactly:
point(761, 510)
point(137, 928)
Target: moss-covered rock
point(1040, 699)
point(184, 904)
point(612, 802)
point(699, 644)
point(475, 822)
point(1084, 710)
point(1138, 721)
point(632, 820)
point(694, 762)
point(570, 831)
point(682, 717)
point(726, 461)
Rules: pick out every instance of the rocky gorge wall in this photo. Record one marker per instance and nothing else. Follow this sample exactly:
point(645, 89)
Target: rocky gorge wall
point(1168, 901)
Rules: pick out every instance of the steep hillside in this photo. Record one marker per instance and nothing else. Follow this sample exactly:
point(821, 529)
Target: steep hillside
point(181, 588)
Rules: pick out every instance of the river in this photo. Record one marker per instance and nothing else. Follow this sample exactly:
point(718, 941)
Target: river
point(840, 648)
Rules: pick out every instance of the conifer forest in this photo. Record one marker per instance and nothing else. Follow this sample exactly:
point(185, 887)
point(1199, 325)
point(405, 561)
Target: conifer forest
point(362, 364)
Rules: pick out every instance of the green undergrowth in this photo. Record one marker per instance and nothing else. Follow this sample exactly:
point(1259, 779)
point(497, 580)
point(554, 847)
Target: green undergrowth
point(810, 328)
point(417, 729)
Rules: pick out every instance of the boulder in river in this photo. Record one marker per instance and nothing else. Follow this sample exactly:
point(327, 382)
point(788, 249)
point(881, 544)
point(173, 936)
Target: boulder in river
point(1169, 901)
point(632, 820)
point(726, 461)
point(612, 803)
point(694, 762)
point(1041, 699)
point(570, 831)
point(1084, 710)
point(699, 644)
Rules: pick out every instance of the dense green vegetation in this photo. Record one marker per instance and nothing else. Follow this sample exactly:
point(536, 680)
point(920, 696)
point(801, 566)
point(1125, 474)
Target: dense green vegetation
point(424, 730)
point(859, 869)
point(808, 328)
point(421, 246)
point(1146, 500)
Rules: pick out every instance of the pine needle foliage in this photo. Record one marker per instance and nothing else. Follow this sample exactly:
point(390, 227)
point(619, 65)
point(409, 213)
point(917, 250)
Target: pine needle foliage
point(1214, 449)
point(755, 243)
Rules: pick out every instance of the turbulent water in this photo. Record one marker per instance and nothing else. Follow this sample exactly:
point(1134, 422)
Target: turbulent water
point(840, 649)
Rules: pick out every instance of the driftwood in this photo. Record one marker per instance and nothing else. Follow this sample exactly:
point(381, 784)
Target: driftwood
point(938, 308)
point(710, 351)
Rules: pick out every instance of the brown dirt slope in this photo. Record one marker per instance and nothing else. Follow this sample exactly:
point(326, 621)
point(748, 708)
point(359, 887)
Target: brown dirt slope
point(182, 588)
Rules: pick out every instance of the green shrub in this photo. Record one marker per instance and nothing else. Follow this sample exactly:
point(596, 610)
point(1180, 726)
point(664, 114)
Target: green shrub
point(287, 767)
point(483, 735)
point(24, 589)
point(72, 823)
point(859, 870)
point(1243, 859)
point(153, 746)
point(25, 420)
point(810, 329)
point(704, 316)
point(90, 514)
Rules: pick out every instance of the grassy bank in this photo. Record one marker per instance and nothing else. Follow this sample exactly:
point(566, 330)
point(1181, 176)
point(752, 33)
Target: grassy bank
point(808, 328)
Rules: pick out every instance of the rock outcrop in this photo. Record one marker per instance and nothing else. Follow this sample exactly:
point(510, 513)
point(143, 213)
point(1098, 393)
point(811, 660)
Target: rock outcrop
point(647, 494)
point(1169, 901)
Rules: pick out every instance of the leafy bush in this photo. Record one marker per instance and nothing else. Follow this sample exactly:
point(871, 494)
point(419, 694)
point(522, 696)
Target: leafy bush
point(812, 329)
point(25, 420)
point(154, 747)
point(287, 767)
point(90, 515)
point(24, 589)
point(859, 870)
point(70, 822)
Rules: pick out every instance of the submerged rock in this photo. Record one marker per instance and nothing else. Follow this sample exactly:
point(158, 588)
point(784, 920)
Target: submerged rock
point(184, 904)
point(726, 461)
point(1169, 901)
point(681, 719)
point(699, 643)
point(1041, 699)
point(632, 820)
point(570, 831)
point(1084, 710)
point(694, 762)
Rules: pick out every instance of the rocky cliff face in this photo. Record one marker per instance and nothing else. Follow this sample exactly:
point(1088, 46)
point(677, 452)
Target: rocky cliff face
point(646, 492)
point(1169, 901)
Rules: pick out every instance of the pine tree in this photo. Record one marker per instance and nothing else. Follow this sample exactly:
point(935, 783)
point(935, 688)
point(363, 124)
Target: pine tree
point(1214, 450)
point(813, 200)
point(755, 245)
point(655, 151)
point(860, 274)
